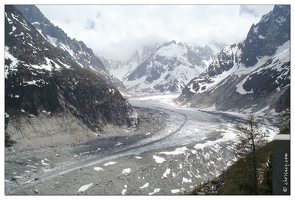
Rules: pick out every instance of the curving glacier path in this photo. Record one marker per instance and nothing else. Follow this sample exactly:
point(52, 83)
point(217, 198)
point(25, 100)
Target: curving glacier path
point(194, 147)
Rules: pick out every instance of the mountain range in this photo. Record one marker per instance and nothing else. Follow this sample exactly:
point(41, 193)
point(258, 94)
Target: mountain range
point(164, 68)
point(42, 79)
point(251, 75)
point(70, 48)
point(49, 74)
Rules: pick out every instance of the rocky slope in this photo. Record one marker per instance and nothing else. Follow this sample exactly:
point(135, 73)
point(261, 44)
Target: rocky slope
point(252, 75)
point(170, 67)
point(40, 79)
point(70, 48)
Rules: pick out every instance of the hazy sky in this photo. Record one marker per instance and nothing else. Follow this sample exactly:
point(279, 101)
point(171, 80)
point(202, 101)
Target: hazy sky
point(116, 31)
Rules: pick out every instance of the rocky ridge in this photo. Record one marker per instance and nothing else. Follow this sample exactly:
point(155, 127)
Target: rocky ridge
point(70, 48)
point(170, 67)
point(40, 79)
point(251, 75)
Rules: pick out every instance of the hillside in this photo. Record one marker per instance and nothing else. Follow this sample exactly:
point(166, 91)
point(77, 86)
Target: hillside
point(70, 48)
point(41, 83)
point(251, 75)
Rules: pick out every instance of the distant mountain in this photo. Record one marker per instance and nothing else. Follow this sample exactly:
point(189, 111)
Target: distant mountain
point(40, 79)
point(170, 67)
point(254, 74)
point(70, 48)
point(122, 69)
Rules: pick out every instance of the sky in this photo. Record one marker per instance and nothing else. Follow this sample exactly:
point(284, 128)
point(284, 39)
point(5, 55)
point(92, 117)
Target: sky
point(117, 31)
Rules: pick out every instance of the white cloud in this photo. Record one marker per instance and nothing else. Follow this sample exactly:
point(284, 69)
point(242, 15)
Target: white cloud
point(116, 31)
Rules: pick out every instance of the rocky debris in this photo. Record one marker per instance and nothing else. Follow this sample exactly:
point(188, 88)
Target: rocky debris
point(36, 191)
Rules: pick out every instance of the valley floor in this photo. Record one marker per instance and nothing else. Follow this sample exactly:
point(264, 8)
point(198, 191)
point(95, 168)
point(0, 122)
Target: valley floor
point(173, 149)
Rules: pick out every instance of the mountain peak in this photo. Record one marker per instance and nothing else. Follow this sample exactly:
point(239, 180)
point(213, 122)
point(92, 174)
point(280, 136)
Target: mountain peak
point(252, 75)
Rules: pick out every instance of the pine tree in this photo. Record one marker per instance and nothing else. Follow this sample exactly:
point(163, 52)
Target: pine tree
point(250, 138)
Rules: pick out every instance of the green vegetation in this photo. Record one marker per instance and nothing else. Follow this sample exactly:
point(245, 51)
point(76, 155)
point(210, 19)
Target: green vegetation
point(252, 173)
point(238, 178)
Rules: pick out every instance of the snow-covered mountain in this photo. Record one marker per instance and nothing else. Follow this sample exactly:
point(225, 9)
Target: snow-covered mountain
point(252, 75)
point(41, 79)
point(122, 69)
point(70, 48)
point(170, 67)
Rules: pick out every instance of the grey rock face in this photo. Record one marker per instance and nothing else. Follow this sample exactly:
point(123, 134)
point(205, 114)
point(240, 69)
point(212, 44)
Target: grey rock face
point(38, 78)
point(72, 49)
point(253, 75)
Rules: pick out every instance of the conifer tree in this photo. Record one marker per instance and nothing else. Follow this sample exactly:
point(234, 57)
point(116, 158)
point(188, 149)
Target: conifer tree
point(250, 138)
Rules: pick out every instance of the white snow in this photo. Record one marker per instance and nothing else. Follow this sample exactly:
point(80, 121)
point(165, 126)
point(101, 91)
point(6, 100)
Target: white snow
point(261, 37)
point(282, 55)
point(255, 30)
point(177, 190)
point(109, 163)
point(124, 191)
point(52, 40)
point(14, 62)
point(66, 48)
point(138, 157)
point(126, 171)
point(155, 191)
point(240, 88)
point(186, 180)
point(144, 186)
point(98, 168)
point(167, 172)
point(44, 163)
point(177, 151)
point(84, 188)
point(159, 159)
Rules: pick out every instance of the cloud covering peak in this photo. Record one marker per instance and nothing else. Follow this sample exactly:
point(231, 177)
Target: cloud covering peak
point(116, 31)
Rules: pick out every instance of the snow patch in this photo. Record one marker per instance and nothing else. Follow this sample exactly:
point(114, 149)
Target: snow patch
point(84, 188)
point(167, 172)
point(124, 191)
point(155, 191)
point(98, 168)
point(186, 180)
point(177, 151)
point(126, 171)
point(144, 186)
point(109, 163)
point(159, 159)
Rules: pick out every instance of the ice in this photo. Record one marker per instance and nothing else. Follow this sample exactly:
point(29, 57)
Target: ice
point(158, 159)
point(109, 163)
point(84, 188)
